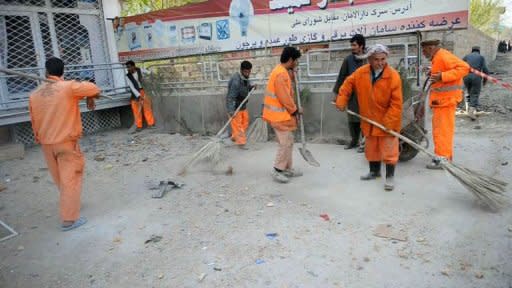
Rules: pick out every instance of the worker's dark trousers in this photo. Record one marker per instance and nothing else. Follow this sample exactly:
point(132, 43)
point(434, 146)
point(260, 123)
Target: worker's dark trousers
point(355, 131)
point(473, 84)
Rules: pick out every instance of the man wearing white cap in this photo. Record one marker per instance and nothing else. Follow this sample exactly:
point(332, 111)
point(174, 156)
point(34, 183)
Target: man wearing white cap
point(379, 94)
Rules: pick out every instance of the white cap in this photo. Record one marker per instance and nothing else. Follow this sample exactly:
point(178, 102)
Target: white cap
point(377, 48)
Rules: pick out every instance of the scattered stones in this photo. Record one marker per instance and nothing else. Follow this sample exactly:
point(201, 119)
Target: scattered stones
point(504, 163)
point(217, 269)
point(99, 158)
point(403, 254)
point(21, 248)
point(161, 276)
point(2, 187)
point(109, 167)
point(229, 171)
point(154, 239)
point(270, 204)
point(510, 228)
point(387, 231)
point(479, 275)
point(477, 127)
point(420, 240)
point(117, 240)
point(445, 272)
point(366, 259)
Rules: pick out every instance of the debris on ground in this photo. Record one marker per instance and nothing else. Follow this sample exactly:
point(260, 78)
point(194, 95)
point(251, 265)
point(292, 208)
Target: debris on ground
point(270, 204)
point(325, 217)
point(99, 158)
point(2, 187)
point(387, 231)
point(271, 236)
point(201, 277)
point(259, 261)
point(153, 239)
point(479, 275)
point(445, 272)
point(162, 188)
point(217, 269)
point(504, 163)
point(229, 171)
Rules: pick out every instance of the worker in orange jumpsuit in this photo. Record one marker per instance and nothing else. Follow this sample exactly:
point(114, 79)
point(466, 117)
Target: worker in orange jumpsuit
point(446, 92)
point(140, 102)
point(280, 111)
point(238, 89)
point(55, 114)
point(379, 94)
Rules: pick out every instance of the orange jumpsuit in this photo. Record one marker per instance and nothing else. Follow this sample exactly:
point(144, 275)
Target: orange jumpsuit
point(278, 109)
point(239, 126)
point(381, 102)
point(145, 110)
point(57, 126)
point(444, 97)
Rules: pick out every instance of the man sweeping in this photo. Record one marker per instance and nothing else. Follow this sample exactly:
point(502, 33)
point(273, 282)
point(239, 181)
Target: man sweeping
point(446, 76)
point(379, 93)
point(349, 65)
point(472, 81)
point(55, 114)
point(280, 111)
point(238, 89)
point(141, 104)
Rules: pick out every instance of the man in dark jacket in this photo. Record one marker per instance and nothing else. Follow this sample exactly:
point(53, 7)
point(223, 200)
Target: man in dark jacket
point(238, 89)
point(140, 103)
point(473, 82)
point(350, 64)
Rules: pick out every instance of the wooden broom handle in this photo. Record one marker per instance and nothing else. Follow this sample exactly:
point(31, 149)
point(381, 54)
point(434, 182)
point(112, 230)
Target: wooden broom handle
point(403, 138)
point(37, 78)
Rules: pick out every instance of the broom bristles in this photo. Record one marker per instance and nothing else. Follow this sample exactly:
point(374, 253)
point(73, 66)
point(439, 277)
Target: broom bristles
point(258, 131)
point(488, 190)
point(210, 152)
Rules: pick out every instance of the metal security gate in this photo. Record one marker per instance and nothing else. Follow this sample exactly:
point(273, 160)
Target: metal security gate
point(31, 31)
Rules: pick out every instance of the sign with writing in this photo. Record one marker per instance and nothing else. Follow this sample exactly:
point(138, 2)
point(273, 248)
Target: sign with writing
point(233, 25)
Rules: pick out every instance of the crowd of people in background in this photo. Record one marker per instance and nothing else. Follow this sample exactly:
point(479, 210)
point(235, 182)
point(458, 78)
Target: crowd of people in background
point(505, 46)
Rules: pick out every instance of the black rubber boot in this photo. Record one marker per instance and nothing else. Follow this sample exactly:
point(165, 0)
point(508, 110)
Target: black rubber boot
point(390, 173)
point(374, 171)
point(390, 170)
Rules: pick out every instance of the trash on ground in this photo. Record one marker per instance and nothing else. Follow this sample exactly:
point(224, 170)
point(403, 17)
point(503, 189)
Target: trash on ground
point(154, 239)
point(271, 236)
point(325, 217)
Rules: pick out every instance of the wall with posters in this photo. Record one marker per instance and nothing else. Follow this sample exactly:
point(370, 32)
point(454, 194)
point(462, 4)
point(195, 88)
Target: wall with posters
point(234, 25)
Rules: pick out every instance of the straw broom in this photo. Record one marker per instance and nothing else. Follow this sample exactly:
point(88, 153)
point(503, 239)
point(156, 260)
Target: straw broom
point(211, 152)
point(258, 131)
point(488, 190)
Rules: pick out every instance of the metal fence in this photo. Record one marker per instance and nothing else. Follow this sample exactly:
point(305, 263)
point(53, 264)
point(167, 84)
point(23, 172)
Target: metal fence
point(32, 31)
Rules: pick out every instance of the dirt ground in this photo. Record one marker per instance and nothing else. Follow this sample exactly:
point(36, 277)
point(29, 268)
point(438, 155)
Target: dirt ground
point(214, 230)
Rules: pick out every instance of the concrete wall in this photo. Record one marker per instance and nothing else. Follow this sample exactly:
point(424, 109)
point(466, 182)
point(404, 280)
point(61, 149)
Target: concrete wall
point(461, 41)
point(183, 108)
